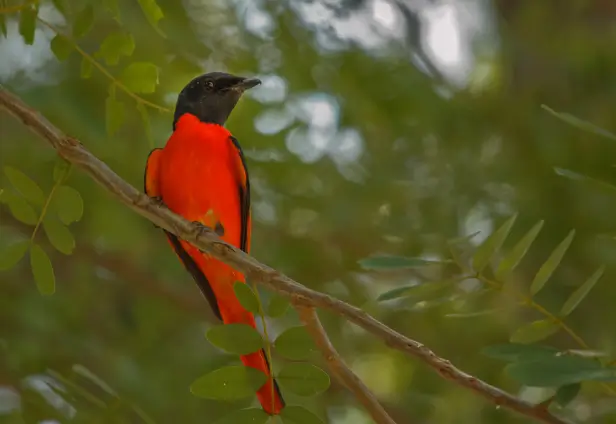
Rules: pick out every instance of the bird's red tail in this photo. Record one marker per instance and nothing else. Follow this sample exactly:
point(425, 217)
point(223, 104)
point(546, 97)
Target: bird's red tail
point(269, 394)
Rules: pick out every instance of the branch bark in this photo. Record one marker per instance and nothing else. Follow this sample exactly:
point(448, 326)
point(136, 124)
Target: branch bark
point(71, 150)
point(338, 368)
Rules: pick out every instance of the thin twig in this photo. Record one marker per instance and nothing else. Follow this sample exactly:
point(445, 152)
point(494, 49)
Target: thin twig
point(309, 317)
point(102, 69)
point(209, 242)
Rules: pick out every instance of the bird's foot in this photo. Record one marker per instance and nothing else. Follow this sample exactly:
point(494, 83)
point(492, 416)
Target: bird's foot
point(160, 203)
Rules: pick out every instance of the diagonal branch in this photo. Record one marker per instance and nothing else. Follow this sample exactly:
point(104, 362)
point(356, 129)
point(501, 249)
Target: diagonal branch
point(309, 317)
point(207, 240)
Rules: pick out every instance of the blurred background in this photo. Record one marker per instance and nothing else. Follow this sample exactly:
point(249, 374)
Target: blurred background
point(381, 127)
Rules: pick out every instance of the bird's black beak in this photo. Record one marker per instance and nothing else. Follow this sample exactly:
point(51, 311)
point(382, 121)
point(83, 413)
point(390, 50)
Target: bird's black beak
point(246, 84)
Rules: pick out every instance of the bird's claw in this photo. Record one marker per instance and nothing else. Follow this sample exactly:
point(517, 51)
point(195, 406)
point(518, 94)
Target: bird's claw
point(160, 203)
point(218, 228)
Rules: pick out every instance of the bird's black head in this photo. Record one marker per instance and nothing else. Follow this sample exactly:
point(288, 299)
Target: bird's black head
point(212, 97)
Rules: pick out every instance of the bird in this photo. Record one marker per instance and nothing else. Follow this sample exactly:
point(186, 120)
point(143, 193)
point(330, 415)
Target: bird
point(201, 174)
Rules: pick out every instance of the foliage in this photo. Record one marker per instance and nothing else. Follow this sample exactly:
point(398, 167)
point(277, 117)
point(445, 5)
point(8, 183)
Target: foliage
point(532, 299)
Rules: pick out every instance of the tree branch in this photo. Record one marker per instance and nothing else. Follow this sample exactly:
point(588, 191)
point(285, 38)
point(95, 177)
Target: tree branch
point(206, 240)
point(309, 317)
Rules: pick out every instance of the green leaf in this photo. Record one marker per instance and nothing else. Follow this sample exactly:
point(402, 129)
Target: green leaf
point(303, 379)
point(577, 296)
point(383, 262)
point(153, 13)
point(492, 244)
point(565, 394)
point(240, 339)
point(229, 383)
point(83, 21)
point(60, 5)
point(546, 270)
point(246, 297)
point(42, 270)
point(86, 68)
point(559, 371)
point(581, 124)
point(534, 331)
point(418, 292)
point(27, 24)
point(61, 170)
point(513, 352)
point(115, 45)
point(145, 119)
point(11, 254)
point(114, 112)
point(68, 204)
point(25, 185)
point(572, 175)
point(294, 414)
point(140, 77)
point(517, 253)
point(20, 208)
point(245, 416)
point(3, 24)
point(278, 306)
point(61, 47)
point(295, 343)
point(59, 235)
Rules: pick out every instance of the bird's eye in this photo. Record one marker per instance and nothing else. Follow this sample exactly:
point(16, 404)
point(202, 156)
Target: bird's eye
point(209, 85)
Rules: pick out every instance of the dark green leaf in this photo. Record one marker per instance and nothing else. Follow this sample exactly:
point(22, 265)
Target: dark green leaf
point(491, 245)
point(25, 185)
point(559, 371)
point(153, 13)
point(42, 270)
point(581, 124)
point(565, 394)
point(61, 47)
point(115, 45)
point(245, 416)
point(246, 297)
point(20, 208)
point(517, 352)
point(68, 204)
point(419, 292)
point(235, 338)
point(11, 254)
point(534, 331)
point(27, 24)
point(3, 24)
point(384, 262)
point(295, 343)
point(83, 21)
point(86, 68)
point(548, 267)
point(293, 414)
point(395, 293)
point(584, 178)
point(229, 383)
point(278, 306)
point(59, 235)
point(517, 253)
point(145, 119)
point(303, 379)
point(464, 240)
point(140, 77)
point(577, 296)
point(60, 5)
point(61, 170)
